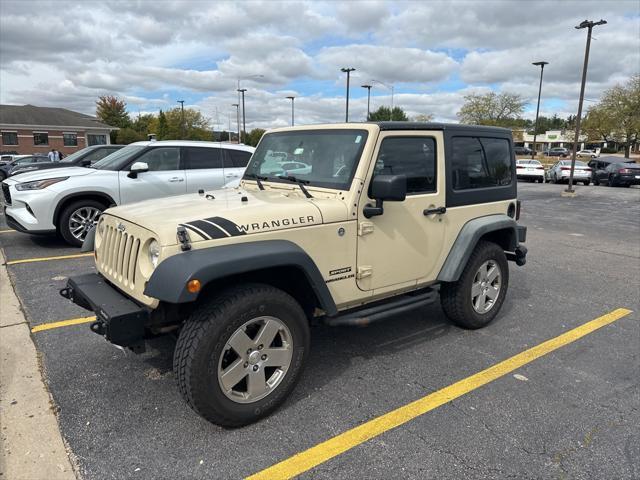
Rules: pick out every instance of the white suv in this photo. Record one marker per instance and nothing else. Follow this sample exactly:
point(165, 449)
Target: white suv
point(70, 200)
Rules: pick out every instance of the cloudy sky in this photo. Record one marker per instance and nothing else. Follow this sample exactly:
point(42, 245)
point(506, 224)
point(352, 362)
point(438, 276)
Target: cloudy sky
point(153, 53)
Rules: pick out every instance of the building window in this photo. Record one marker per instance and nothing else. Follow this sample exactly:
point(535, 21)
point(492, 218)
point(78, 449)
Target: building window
point(97, 139)
point(10, 138)
point(70, 139)
point(40, 138)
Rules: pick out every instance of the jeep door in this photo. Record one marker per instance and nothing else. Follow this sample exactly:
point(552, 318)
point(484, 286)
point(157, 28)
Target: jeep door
point(165, 176)
point(403, 246)
point(203, 168)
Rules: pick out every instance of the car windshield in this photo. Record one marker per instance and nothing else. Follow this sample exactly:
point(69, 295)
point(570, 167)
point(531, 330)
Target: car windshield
point(528, 162)
point(74, 156)
point(119, 158)
point(322, 158)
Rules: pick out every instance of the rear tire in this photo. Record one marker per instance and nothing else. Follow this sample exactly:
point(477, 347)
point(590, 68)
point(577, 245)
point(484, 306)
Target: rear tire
point(459, 300)
point(71, 225)
point(596, 182)
point(220, 345)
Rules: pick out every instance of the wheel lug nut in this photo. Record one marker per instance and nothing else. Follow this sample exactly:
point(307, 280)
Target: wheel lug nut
point(246, 364)
point(255, 368)
point(248, 351)
point(263, 357)
point(260, 347)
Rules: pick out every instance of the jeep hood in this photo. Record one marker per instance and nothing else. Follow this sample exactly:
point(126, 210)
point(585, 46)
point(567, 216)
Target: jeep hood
point(230, 212)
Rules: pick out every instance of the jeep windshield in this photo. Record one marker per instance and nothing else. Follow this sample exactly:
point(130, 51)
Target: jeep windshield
point(321, 158)
point(119, 158)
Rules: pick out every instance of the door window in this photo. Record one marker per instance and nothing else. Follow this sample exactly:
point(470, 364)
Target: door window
point(162, 158)
point(414, 157)
point(236, 158)
point(480, 162)
point(199, 158)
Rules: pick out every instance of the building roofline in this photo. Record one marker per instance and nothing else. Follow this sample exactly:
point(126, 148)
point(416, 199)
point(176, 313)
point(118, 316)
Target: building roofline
point(24, 126)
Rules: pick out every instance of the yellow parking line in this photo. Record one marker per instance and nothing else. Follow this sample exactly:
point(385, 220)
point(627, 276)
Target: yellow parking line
point(7, 231)
point(62, 323)
point(46, 259)
point(339, 444)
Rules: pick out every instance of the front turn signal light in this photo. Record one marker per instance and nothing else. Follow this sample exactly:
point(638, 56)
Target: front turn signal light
point(194, 286)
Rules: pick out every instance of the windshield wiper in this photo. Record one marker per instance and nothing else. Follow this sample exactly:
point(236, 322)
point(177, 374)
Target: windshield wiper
point(300, 182)
point(258, 179)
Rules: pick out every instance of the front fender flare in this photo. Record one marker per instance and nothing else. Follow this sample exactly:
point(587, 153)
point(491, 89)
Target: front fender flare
point(168, 282)
point(468, 238)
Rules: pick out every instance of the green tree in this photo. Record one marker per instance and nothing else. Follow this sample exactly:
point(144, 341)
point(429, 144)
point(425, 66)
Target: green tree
point(253, 137)
point(112, 111)
point(129, 135)
point(384, 114)
point(196, 125)
point(142, 123)
point(163, 128)
point(503, 109)
point(616, 118)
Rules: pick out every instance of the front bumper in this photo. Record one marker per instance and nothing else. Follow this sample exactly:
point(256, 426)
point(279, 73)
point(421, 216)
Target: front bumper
point(119, 319)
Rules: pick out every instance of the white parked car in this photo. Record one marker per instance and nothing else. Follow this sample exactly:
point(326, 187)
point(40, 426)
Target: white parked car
point(70, 200)
point(531, 170)
point(559, 173)
point(588, 154)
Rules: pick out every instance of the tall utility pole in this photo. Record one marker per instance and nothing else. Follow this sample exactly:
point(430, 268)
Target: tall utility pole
point(348, 71)
point(586, 24)
point(181, 102)
point(535, 130)
point(292, 98)
point(248, 77)
point(237, 105)
point(368, 87)
point(390, 87)
point(244, 118)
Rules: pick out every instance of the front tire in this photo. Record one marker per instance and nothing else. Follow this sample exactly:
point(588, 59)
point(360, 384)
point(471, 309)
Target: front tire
point(77, 219)
point(476, 298)
point(240, 354)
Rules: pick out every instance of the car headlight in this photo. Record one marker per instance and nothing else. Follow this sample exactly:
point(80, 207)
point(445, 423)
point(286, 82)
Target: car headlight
point(39, 184)
point(154, 252)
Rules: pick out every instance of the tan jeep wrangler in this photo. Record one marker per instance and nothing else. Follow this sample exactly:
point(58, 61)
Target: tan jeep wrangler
point(345, 223)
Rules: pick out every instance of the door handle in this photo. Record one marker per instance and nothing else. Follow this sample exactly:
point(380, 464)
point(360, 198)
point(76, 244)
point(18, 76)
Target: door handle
point(231, 175)
point(176, 179)
point(435, 211)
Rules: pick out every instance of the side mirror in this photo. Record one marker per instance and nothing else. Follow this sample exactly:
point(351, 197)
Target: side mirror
point(137, 168)
point(85, 163)
point(392, 188)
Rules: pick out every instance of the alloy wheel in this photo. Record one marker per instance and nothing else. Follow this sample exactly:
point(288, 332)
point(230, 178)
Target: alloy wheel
point(486, 286)
point(82, 220)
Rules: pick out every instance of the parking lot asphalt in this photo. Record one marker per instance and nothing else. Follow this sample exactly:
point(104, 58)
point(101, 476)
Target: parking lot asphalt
point(573, 413)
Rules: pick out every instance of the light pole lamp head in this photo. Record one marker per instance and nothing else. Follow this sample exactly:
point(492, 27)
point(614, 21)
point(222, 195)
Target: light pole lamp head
point(242, 90)
point(366, 86)
point(291, 97)
point(540, 64)
point(347, 69)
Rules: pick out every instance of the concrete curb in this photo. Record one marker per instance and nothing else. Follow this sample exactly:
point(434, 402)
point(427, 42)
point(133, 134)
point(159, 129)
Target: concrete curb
point(31, 446)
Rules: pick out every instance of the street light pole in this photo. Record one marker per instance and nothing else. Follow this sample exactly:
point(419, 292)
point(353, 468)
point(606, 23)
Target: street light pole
point(368, 87)
point(244, 118)
point(586, 24)
point(238, 90)
point(237, 105)
point(535, 129)
point(348, 72)
point(292, 98)
point(181, 102)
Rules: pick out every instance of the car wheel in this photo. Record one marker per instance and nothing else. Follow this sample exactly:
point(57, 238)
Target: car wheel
point(3, 176)
point(240, 354)
point(586, 183)
point(476, 298)
point(612, 182)
point(77, 219)
point(596, 182)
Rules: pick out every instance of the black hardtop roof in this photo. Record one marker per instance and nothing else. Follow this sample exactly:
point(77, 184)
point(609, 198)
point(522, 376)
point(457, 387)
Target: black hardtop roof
point(453, 127)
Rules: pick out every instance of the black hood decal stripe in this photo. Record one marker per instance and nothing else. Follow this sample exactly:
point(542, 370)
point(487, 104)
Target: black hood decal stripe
point(227, 225)
point(211, 230)
point(195, 230)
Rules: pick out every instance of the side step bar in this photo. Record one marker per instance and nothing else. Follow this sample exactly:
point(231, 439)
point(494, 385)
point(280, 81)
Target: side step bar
point(395, 306)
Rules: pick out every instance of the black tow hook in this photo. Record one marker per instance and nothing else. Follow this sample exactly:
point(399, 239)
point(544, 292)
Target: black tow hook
point(521, 255)
point(67, 293)
point(98, 327)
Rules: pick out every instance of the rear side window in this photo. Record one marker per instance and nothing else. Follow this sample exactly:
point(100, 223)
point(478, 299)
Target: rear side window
point(414, 157)
point(198, 158)
point(237, 158)
point(161, 158)
point(480, 162)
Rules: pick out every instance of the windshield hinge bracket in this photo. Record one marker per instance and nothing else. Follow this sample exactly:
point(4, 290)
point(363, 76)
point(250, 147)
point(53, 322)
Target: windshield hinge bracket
point(365, 271)
point(365, 228)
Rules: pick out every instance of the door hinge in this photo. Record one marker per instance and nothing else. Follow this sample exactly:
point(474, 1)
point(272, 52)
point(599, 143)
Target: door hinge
point(364, 228)
point(363, 272)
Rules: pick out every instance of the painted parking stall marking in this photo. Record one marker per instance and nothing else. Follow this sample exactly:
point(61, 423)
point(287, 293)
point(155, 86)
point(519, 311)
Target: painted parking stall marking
point(47, 259)
point(62, 323)
point(339, 444)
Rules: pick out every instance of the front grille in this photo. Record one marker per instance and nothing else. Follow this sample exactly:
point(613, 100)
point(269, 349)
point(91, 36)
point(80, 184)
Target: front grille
point(118, 256)
point(6, 193)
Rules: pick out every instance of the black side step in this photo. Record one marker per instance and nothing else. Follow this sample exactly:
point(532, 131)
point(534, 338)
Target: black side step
point(388, 308)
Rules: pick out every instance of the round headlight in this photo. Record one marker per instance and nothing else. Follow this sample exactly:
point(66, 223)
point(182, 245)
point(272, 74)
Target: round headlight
point(154, 252)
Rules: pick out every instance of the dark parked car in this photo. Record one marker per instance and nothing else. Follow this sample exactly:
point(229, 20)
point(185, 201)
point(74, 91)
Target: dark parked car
point(82, 158)
point(19, 161)
point(557, 152)
point(522, 150)
point(618, 175)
